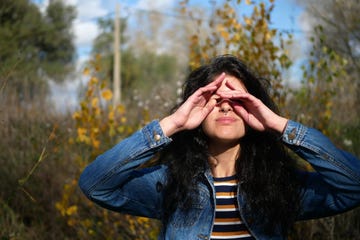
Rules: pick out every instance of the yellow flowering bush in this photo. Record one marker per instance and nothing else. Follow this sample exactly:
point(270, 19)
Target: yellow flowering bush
point(99, 125)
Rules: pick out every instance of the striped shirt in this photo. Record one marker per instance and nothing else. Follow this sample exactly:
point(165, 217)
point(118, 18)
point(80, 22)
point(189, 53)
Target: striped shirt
point(228, 224)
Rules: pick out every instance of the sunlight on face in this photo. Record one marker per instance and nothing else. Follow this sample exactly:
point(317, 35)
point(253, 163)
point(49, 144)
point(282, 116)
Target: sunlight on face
point(223, 125)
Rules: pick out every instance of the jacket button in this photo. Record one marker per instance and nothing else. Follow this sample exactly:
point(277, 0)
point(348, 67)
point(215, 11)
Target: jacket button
point(292, 134)
point(157, 137)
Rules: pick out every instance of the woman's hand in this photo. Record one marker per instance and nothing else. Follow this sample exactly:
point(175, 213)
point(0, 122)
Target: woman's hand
point(253, 111)
point(194, 110)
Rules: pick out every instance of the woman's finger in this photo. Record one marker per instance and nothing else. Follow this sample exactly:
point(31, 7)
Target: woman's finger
point(237, 94)
point(214, 84)
point(210, 106)
point(211, 87)
point(229, 85)
point(218, 80)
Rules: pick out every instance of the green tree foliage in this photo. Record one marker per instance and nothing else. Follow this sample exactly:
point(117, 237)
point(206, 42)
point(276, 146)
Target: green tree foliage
point(321, 80)
point(332, 72)
point(34, 47)
point(57, 48)
point(340, 23)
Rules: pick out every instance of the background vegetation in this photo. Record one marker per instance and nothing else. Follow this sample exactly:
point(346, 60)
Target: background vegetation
point(42, 152)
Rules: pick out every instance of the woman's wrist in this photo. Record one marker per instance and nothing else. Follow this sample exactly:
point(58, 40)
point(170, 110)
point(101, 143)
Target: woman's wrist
point(279, 124)
point(169, 126)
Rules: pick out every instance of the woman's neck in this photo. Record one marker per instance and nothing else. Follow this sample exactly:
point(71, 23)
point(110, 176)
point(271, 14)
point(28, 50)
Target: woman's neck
point(222, 159)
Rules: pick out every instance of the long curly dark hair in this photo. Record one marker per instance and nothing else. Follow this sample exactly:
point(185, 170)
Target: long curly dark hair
point(264, 168)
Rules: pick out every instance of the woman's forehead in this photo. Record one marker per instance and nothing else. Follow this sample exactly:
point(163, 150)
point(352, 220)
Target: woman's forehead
point(235, 82)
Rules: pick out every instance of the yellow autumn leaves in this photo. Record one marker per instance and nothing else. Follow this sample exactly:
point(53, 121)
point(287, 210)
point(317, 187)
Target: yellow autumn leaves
point(97, 116)
point(99, 125)
point(249, 37)
point(107, 94)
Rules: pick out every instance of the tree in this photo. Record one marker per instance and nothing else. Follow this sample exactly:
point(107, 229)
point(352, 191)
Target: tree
point(328, 98)
point(57, 48)
point(322, 73)
point(249, 37)
point(340, 24)
point(34, 47)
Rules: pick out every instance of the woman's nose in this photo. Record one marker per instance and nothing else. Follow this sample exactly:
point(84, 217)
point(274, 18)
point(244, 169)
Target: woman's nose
point(225, 105)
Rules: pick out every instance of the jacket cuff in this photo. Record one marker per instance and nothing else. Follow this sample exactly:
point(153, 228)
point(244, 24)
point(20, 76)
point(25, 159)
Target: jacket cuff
point(155, 135)
point(294, 133)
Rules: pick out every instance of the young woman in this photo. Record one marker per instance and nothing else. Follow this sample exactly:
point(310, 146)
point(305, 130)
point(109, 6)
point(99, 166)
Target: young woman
point(223, 171)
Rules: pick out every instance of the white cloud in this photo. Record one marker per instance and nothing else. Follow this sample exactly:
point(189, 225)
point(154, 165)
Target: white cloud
point(155, 4)
point(42, 5)
point(89, 9)
point(85, 26)
point(305, 22)
point(64, 96)
point(85, 32)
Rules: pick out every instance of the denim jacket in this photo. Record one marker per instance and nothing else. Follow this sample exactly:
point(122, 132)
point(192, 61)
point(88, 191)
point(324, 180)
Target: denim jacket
point(115, 181)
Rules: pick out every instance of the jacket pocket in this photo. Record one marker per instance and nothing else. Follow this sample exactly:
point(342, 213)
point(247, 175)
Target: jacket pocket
point(188, 217)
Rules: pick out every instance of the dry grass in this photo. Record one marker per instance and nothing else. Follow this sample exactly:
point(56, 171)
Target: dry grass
point(34, 168)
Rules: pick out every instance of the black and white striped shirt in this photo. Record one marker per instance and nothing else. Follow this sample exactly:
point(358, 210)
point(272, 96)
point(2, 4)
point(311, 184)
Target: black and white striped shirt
point(228, 224)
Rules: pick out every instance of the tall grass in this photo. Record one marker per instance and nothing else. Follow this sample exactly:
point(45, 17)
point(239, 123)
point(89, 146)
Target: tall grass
point(33, 169)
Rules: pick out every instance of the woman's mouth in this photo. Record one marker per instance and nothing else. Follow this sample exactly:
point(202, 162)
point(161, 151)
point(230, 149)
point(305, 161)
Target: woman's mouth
point(225, 120)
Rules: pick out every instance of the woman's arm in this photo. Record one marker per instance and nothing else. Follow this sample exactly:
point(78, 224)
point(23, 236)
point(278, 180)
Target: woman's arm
point(114, 182)
point(334, 186)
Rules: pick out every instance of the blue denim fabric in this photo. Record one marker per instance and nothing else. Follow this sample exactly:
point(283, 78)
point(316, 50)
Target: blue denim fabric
point(115, 182)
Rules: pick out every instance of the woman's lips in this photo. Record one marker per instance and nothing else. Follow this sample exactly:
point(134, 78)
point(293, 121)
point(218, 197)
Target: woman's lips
point(225, 120)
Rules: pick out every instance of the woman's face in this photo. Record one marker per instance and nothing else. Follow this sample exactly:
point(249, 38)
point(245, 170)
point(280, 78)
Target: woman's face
point(223, 125)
